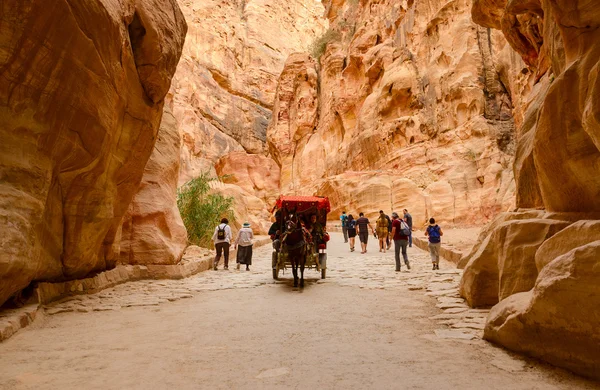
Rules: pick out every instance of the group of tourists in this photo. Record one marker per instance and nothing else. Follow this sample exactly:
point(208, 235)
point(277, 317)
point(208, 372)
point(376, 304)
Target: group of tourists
point(396, 229)
point(399, 230)
point(243, 243)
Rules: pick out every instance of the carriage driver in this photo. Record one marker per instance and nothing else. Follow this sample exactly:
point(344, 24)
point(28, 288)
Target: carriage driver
point(317, 231)
point(275, 231)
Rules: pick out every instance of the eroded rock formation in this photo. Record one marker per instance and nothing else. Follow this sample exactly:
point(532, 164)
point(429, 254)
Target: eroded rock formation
point(556, 168)
point(224, 88)
point(82, 85)
point(153, 231)
point(405, 108)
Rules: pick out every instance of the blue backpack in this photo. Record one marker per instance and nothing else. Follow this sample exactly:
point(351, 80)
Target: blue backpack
point(434, 234)
point(344, 218)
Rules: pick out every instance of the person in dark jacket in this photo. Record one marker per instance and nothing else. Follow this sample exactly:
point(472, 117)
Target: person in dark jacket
point(400, 240)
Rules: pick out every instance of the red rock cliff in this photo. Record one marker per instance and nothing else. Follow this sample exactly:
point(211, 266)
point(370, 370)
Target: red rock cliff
point(405, 107)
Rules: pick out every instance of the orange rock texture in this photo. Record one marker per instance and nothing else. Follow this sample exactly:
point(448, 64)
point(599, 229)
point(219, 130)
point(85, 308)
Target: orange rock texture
point(224, 89)
point(404, 107)
point(82, 85)
point(548, 308)
point(153, 231)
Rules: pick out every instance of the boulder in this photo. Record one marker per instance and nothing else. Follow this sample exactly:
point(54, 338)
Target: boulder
point(578, 234)
point(504, 263)
point(83, 84)
point(490, 227)
point(557, 320)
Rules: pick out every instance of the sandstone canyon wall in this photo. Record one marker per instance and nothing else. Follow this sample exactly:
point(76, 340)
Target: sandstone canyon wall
point(224, 92)
point(82, 92)
point(406, 107)
point(540, 268)
point(153, 231)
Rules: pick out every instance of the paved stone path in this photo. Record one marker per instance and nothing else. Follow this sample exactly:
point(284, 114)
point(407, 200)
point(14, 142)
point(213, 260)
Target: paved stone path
point(364, 326)
point(374, 270)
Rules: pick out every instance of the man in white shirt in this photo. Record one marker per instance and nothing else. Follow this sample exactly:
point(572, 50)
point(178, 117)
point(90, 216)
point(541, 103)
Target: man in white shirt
point(222, 239)
point(244, 240)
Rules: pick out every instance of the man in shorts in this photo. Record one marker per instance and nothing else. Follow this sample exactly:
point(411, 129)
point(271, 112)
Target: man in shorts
point(363, 225)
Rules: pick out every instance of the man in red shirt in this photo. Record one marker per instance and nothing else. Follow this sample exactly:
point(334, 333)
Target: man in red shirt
point(400, 233)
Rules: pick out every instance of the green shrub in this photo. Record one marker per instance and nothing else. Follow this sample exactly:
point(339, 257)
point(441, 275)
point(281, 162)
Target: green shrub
point(201, 211)
point(320, 44)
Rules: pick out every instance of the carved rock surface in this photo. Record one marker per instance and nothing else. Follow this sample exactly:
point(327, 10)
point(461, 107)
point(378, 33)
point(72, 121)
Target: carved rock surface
point(82, 84)
point(556, 168)
point(558, 319)
point(403, 89)
point(153, 232)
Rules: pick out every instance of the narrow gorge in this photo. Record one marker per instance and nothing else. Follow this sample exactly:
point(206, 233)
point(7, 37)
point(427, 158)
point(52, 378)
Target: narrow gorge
point(483, 114)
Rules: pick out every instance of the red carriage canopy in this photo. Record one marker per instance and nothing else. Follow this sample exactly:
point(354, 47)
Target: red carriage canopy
point(303, 203)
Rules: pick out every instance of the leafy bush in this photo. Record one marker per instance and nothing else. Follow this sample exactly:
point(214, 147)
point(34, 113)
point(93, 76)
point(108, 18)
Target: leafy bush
point(202, 211)
point(320, 44)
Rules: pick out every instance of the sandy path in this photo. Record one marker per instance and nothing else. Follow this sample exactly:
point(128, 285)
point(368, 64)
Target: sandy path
point(363, 327)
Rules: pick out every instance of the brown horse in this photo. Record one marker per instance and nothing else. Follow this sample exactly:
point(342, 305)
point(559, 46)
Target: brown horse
point(296, 247)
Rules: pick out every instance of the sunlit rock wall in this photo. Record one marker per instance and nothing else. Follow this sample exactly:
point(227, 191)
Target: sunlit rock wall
point(406, 107)
point(82, 87)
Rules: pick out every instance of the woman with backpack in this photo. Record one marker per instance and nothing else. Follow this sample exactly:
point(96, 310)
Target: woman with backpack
point(434, 233)
point(222, 239)
point(351, 225)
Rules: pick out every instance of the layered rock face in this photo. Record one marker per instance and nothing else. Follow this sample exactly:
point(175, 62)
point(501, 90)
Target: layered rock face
point(224, 88)
point(405, 108)
point(551, 313)
point(82, 87)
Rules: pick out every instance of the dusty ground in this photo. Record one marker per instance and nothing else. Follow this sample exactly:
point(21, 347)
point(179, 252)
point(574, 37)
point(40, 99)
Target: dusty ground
point(365, 326)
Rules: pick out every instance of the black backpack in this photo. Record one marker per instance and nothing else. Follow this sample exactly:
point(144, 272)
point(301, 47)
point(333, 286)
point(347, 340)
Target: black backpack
point(221, 232)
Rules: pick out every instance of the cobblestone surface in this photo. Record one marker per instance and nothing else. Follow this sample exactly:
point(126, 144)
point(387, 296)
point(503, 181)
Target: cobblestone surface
point(373, 270)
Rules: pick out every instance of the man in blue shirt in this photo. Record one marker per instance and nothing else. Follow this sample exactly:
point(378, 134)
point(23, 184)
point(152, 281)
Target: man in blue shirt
point(344, 219)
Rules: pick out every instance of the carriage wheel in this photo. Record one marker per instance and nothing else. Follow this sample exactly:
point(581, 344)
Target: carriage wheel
point(323, 271)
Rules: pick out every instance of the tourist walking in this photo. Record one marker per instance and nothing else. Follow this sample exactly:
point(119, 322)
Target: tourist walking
point(409, 222)
point(435, 233)
point(344, 219)
point(382, 231)
point(400, 236)
point(363, 233)
point(245, 240)
point(222, 239)
point(351, 223)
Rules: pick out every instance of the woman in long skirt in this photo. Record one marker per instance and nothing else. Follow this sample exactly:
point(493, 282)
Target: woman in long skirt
point(244, 240)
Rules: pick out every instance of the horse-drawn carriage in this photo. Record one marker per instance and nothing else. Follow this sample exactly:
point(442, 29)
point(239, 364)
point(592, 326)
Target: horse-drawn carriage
point(302, 221)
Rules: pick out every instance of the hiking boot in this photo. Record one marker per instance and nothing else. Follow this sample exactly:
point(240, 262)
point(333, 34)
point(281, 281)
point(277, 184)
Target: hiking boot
point(397, 270)
point(433, 267)
point(408, 265)
point(437, 266)
point(226, 268)
point(237, 266)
